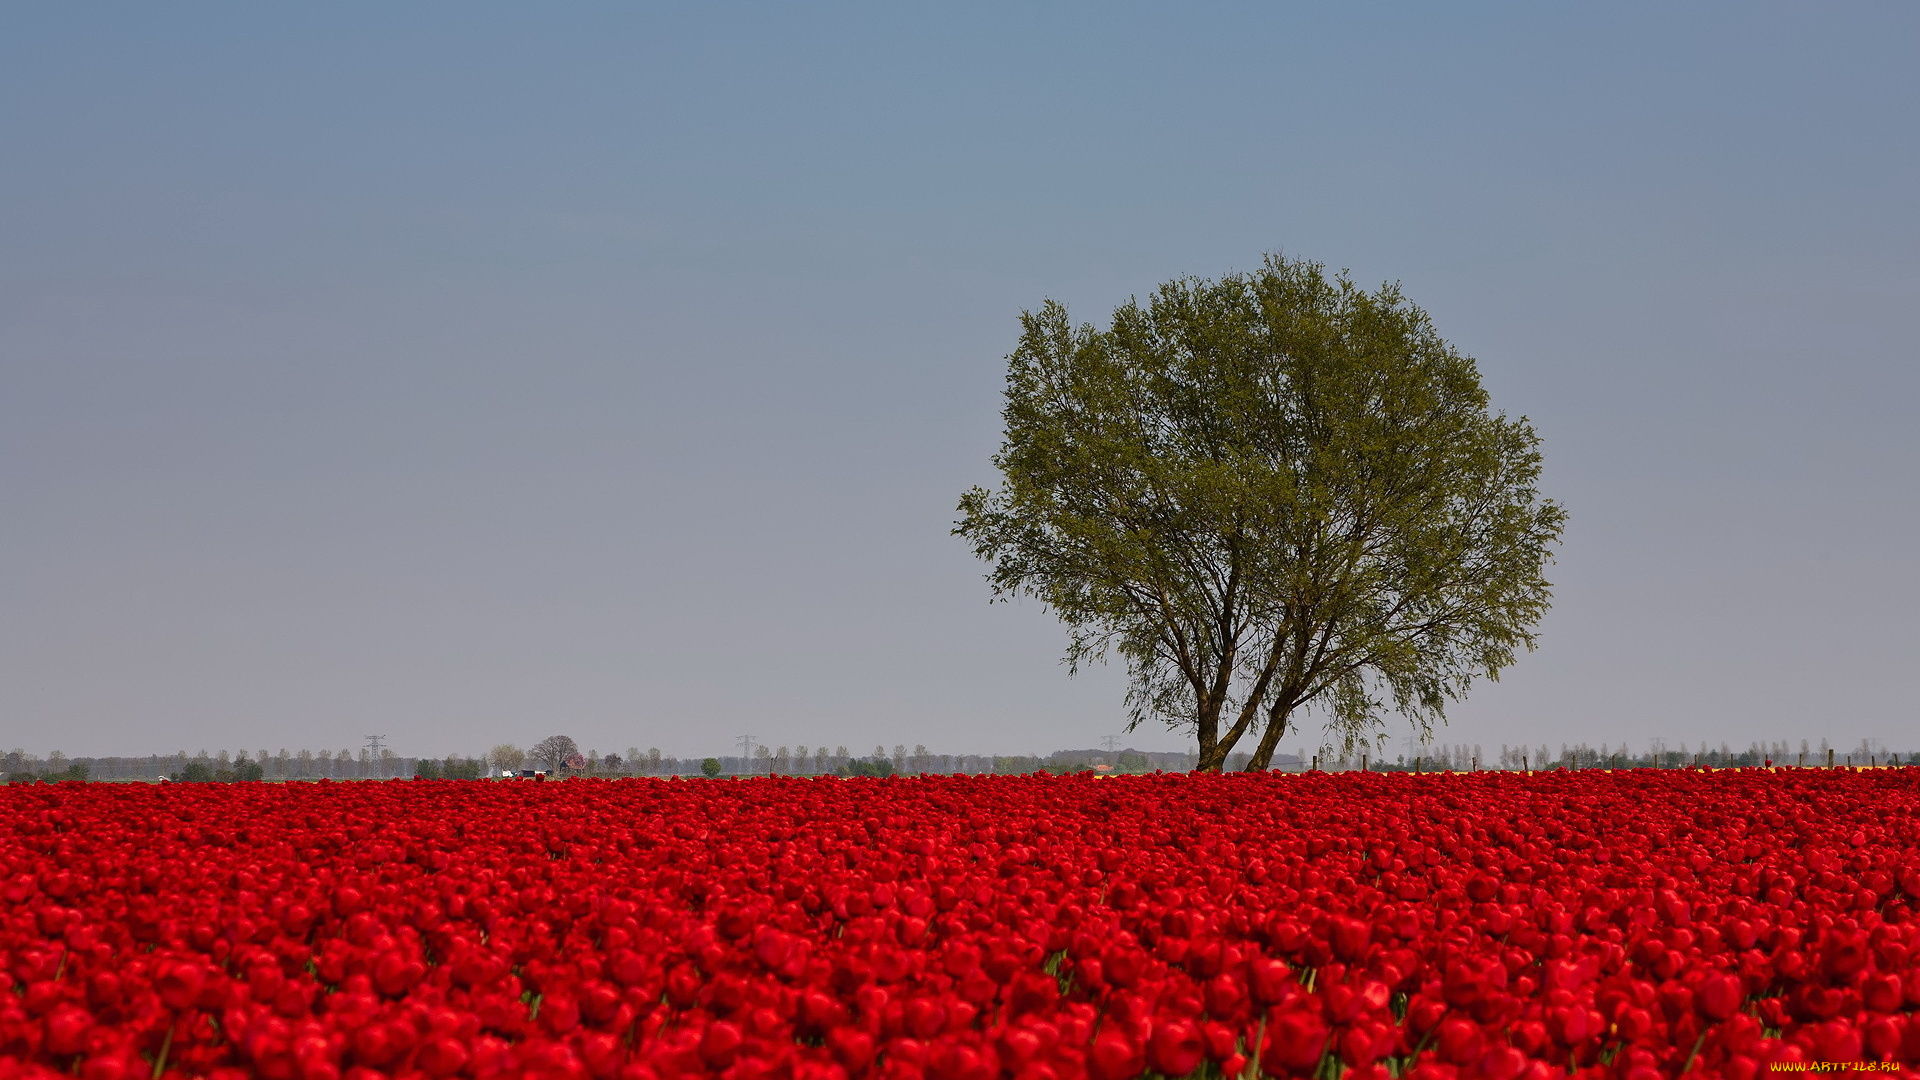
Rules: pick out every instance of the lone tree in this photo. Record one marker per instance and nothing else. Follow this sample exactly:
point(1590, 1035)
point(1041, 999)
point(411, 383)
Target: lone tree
point(553, 751)
point(1271, 493)
point(508, 757)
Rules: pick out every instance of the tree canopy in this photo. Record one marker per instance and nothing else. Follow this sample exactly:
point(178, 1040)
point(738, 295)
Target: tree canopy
point(1270, 494)
point(553, 751)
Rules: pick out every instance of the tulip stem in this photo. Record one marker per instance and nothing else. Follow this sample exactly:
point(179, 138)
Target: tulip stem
point(160, 1063)
point(1259, 1044)
point(1422, 1044)
point(1695, 1052)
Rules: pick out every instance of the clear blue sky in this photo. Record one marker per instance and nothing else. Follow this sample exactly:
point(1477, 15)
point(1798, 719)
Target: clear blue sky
point(471, 372)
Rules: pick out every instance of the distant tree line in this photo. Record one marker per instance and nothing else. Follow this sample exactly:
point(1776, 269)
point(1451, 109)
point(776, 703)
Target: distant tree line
point(452, 767)
point(1657, 755)
point(240, 765)
point(839, 761)
point(560, 756)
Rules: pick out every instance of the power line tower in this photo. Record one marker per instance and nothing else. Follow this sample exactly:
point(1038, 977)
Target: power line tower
point(375, 744)
point(746, 750)
point(1111, 741)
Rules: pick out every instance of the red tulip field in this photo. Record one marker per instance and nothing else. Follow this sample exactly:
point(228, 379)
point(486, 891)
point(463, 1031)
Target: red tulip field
point(1598, 924)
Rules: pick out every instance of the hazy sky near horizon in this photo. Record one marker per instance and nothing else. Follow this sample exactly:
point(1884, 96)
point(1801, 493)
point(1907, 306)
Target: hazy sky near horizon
point(468, 373)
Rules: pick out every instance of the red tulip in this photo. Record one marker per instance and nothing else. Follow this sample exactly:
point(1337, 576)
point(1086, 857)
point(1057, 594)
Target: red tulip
point(721, 1044)
point(1176, 1047)
point(1719, 996)
point(67, 1029)
point(1115, 1056)
point(1295, 1039)
point(852, 1048)
point(1271, 981)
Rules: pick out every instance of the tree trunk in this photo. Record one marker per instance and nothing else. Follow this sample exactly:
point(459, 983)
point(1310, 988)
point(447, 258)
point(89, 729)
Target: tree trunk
point(1270, 738)
point(1213, 756)
point(1208, 724)
point(1214, 748)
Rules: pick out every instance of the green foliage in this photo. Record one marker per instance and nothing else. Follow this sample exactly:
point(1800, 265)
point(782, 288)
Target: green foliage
point(199, 771)
point(74, 771)
point(1269, 493)
point(874, 766)
point(453, 768)
point(710, 767)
